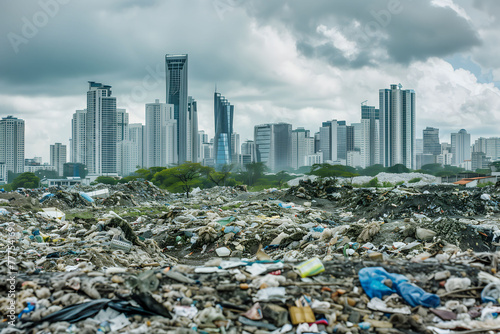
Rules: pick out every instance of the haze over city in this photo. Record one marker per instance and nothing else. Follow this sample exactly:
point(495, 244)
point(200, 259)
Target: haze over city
point(296, 62)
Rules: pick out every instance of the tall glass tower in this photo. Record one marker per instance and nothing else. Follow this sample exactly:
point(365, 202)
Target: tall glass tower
point(176, 68)
point(223, 115)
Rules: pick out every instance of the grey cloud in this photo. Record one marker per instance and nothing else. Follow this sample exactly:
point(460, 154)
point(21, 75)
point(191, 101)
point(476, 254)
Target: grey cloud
point(415, 31)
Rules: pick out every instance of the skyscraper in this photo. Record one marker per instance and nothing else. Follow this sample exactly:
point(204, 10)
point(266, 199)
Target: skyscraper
point(101, 125)
point(161, 135)
point(431, 141)
point(370, 132)
point(78, 133)
point(302, 146)
point(136, 134)
point(12, 144)
point(397, 126)
point(58, 157)
point(328, 140)
point(223, 115)
point(176, 67)
point(273, 145)
point(460, 147)
point(121, 124)
point(192, 134)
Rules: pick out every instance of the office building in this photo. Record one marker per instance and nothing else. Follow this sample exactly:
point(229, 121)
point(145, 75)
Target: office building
point(273, 145)
point(248, 150)
point(78, 133)
point(341, 141)
point(12, 144)
point(126, 157)
point(460, 147)
point(161, 135)
point(479, 160)
point(397, 126)
point(100, 134)
point(328, 140)
point(58, 157)
point(431, 143)
point(223, 114)
point(176, 68)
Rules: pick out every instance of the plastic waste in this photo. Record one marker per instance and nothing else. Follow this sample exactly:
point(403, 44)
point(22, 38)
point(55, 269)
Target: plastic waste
point(456, 283)
point(286, 205)
point(486, 197)
point(372, 280)
point(255, 323)
point(254, 313)
point(491, 293)
point(310, 267)
point(28, 309)
point(225, 221)
point(223, 251)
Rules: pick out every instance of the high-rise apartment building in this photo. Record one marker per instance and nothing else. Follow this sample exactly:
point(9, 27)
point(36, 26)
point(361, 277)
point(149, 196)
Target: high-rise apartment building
point(58, 157)
point(460, 147)
point(100, 134)
point(370, 136)
point(273, 145)
point(12, 144)
point(192, 134)
point(489, 146)
point(161, 135)
point(341, 141)
point(223, 113)
point(302, 146)
point(121, 124)
point(136, 134)
point(431, 141)
point(397, 126)
point(176, 68)
point(78, 133)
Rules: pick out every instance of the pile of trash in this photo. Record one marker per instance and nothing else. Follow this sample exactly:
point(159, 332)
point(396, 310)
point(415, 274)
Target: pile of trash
point(264, 296)
point(400, 202)
point(317, 257)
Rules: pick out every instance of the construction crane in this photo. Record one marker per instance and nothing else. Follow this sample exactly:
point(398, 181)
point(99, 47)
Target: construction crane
point(364, 102)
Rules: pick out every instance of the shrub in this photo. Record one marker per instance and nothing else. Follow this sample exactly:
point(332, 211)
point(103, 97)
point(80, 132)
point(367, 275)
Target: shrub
point(415, 180)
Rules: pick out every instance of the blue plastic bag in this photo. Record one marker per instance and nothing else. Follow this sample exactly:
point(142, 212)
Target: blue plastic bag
point(415, 296)
point(372, 280)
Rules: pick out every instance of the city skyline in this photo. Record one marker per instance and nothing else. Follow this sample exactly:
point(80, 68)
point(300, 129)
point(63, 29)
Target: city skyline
point(274, 68)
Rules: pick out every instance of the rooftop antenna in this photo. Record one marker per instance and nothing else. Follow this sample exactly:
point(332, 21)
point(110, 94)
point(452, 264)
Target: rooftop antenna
point(400, 85)
point(216, 87)
point(364, 102)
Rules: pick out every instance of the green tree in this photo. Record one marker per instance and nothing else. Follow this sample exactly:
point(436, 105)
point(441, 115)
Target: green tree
point(219, 177)
point(373, 183)
point(255, 171)
point(398, 169)
point(327, 170)
point(26, 180)
point(372, 170)
point(183, 177)
point(281, 178)
point(106, 180)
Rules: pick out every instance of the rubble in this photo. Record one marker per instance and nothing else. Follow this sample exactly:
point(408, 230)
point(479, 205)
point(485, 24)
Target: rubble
point(226, 260)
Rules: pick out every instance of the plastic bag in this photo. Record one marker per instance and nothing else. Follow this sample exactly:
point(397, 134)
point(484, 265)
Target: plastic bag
point(372, 281)
point(491, 293)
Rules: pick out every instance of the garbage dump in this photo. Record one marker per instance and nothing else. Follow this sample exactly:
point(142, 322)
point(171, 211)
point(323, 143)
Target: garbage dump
point(318, 257)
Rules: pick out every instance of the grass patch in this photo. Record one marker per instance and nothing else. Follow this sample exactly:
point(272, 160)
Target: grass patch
point(82, 215)
point(415, 180)
point(486, 184)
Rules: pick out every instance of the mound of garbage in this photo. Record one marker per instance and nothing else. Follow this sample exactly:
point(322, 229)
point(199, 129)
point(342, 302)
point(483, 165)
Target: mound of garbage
point(317, 257)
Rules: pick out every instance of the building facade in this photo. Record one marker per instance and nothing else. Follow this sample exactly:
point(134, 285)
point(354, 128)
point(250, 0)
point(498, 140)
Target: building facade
point(176, 67)
point(397, 126)
point(431, 141)
point(161, 135)
point(223, 114)
point(100, 134)
point(12, 144)
point(460, 147)
point(273, 145)
point(78, 133)
point(58, 157)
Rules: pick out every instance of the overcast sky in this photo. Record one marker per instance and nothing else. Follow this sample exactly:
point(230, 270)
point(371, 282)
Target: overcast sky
point(295, 61)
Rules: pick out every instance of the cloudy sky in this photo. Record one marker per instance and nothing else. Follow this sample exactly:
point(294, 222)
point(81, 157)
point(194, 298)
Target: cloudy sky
point(296, 61)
